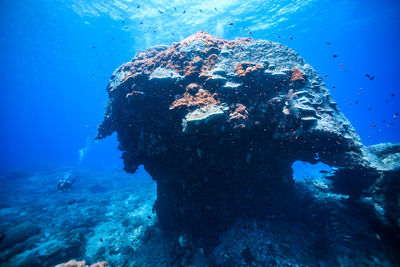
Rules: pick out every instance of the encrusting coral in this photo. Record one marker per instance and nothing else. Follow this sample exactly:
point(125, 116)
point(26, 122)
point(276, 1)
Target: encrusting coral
point(74, 263)
point(239, 113)
point(201, 98)
point(296, 75)
point(243, 69)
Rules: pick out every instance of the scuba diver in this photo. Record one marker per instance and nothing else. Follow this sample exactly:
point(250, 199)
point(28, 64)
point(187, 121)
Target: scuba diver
point(66, 182)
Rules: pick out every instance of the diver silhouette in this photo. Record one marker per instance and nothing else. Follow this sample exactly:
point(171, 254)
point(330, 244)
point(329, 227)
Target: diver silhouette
point(66, 182)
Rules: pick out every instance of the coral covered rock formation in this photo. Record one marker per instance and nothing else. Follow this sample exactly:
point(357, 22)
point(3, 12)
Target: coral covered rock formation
point(218, 124)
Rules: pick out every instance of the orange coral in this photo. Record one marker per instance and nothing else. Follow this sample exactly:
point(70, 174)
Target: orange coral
point(74, 263)
point(133, 93)
point(297, 75)
point(147, 61)
point(208, 64)
point(239, 113)
point(174, 59)
point(201, 98)
point(242, 69)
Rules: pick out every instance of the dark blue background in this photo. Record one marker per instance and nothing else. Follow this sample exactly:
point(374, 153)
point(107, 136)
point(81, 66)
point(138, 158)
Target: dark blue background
point(55, 67)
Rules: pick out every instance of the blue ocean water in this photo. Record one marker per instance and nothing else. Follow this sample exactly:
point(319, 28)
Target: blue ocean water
point(57, 57)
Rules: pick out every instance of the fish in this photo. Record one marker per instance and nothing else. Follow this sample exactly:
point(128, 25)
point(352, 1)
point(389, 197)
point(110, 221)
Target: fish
point(290, 37)
point(323, 171)
point(328, 43)
point(373, 125)
point(184, 11)
point(230, 23)
point(141, 22)
point(326, 75)
point(71, 202)
point(249, 32)
point(201, 11)
point(341, 65)
point(335, 55)
point(149, 217)
point(93, 47)
point(370, 77)
point(393, 95)
point(370, 108)
point(101, 239)
point(138, 6)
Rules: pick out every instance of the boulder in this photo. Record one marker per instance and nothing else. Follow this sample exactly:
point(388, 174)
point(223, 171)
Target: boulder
point(218, 124)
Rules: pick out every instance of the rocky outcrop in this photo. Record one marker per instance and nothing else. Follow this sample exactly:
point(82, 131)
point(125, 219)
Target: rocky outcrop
point(383, 197)
point(218, 124)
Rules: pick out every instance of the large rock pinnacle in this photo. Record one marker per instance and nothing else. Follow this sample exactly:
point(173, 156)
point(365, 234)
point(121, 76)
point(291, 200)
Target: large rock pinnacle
point(218, 123)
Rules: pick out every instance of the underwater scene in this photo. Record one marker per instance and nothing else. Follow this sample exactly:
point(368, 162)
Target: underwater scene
point(199, 133)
